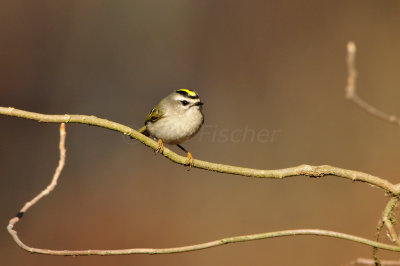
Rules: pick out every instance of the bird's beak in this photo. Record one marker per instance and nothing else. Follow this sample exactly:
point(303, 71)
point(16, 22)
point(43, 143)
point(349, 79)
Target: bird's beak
point(198, 104)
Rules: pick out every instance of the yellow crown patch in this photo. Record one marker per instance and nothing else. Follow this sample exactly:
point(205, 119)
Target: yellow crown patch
point(188, 92)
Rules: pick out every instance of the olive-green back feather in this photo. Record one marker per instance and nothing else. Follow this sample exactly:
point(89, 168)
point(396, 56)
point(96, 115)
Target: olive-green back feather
point(155, 114)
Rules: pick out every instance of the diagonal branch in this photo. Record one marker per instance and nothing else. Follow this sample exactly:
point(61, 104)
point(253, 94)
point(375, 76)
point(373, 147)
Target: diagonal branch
point(351, 89)
point(305, 170)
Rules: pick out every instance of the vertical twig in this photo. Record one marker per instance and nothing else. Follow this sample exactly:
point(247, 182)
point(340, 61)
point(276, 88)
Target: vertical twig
point(351, 89)
point(43, 193)
point(388, 220)
point(352, 72)
point(377, 236)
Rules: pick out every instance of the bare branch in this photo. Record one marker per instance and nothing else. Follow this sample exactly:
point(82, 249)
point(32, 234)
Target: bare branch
point(211, 244)
point(305, 170)
point(352, 77)
point(363, 261)
point(389, 220)
point(43, 193)
point(377, 236)
point(351, 89)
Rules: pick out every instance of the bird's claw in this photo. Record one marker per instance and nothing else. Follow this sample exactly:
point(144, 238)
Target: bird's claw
point(189, 160)
point(160, 147)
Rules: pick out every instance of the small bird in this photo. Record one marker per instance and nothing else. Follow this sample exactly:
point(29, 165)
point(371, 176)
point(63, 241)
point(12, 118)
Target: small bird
point(175, 119)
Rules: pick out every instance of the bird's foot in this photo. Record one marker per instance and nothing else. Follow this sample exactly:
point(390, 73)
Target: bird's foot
point(160, 147)
point(189, 160)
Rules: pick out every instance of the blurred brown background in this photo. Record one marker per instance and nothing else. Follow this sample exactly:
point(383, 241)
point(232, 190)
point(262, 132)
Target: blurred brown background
point(271, 66)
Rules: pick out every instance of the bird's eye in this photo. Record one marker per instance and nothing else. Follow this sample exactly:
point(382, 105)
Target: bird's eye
point(184, 102)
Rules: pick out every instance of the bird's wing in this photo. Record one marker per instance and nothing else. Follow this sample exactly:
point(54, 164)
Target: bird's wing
point(154, 115)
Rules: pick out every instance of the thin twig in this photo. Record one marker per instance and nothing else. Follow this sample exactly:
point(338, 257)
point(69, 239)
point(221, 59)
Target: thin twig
point(43, 193)
point(377, 236)
point(364, 261)
point(388, 220)
point(211, 244)
point(351, 89)
point(305, 170)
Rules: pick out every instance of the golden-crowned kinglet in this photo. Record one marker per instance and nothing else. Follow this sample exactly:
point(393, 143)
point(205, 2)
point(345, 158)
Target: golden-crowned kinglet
point(175, 119)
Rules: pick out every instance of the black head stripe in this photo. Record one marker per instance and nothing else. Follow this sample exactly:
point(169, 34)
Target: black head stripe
point(188, 93)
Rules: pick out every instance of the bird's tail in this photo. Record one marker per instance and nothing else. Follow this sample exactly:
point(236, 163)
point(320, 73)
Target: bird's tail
point(144, 131)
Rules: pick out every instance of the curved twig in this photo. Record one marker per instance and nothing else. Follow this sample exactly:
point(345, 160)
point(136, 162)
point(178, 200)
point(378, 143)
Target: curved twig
point(44, 192)
point(211, 244)
point(351, 89)
point(388, 220)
